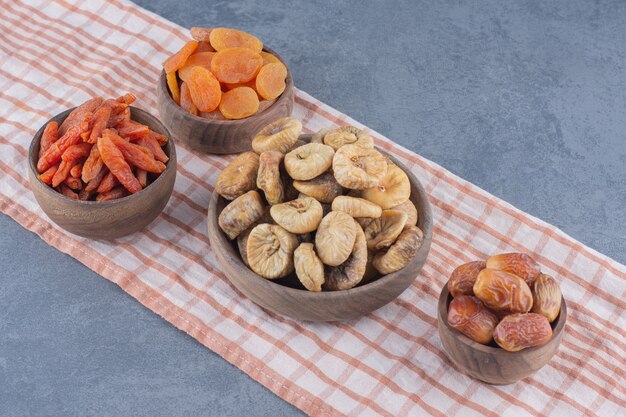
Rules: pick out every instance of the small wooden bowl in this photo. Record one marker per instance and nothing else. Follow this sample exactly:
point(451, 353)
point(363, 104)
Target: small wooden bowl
point(490, 363)
point(221, 136)
point(106, 219)
point(288, 298)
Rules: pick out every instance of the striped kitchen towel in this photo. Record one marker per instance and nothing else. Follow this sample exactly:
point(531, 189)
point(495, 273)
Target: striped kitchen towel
point(56, 54)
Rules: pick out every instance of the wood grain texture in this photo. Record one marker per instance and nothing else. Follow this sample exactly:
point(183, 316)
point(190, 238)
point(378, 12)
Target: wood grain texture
point(106, 219)
point(221, 136)
point(286, 297)
point(490, 363)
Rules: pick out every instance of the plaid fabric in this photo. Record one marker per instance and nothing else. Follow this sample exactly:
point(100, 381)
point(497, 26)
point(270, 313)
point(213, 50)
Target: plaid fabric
point(56, 54)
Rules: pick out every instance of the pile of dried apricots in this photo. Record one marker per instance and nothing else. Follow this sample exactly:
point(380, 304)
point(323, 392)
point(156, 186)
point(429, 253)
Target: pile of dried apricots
point(99, 153)
point(505, 299)
point(224, 74)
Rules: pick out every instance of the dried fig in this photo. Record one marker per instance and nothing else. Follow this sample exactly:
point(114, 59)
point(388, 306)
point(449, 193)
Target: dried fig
point(318, 137)
point(356, 207)
point(309, 161)
point(349, 273)
point(302, 215)
point(401, 252)
point(324, 188)
point(370, 272)
point(268, 178)
point(270, 250)
point(546, 297)
point(462, 279)
point(335, 237)
point(309, 267)
point(409, 208)
point(279, 136)
point(469, 315)
point(347, 135)
point(359, 168)
point(239, 176)
point(520, 331)
point(501, 290)
point(241, 213)
point(519, 264)
point(364, 221)
point(383, 231)
point(242, 244)
point(393, 189)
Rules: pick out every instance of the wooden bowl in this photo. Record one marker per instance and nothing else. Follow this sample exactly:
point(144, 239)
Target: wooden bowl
point(490, 363)
point(287, 297)
point(106, 219)
point(221, 136)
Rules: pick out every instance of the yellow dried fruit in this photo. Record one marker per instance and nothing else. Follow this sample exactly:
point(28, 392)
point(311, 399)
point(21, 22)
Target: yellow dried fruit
point(241, 213)
point(268, 178)
point(347, 135)
point(383, 231)
point(359, 168)
point(323, 188)
point(279, 136)
point(401, 252)
point(309, 161)
point(356, 207)
point(393, 189)
point(270, 250)
point(239, 176)
point(409, 208)
point(309, 267)
point(302, 215)
point(350, 273)
point(335, 237)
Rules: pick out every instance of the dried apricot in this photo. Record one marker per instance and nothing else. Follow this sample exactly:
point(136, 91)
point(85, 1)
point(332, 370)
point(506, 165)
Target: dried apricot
point(74, 183)
point(239, 103)
point(132, 130)
point(268, 58)
point(201, 34)
point(185, 99)
point(204, 47)
point(142, 177)
point(199, 59)
point(176, 61)
point(67, 191)
point(172, 83)
point(224, 38)
point(107, 183)
point(270, 81)
point(53, 154)
point(236, 65)
point(204, 89)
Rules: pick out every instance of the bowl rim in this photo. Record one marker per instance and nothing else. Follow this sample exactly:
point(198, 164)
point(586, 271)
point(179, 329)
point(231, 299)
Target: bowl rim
point(228, 122)
point(46, 188)
point(442, 310)
point(355, 291)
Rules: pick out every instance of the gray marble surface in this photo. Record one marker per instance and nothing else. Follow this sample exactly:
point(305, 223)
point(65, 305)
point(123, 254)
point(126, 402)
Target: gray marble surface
point(525, 99)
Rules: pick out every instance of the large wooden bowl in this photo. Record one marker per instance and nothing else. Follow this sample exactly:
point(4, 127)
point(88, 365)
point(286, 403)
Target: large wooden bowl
point(286, 296)
point(221, 136)
point(490, 363)
point(106, 219)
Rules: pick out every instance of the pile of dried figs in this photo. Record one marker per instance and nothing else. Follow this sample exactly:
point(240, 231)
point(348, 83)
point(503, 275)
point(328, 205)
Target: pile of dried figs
point(506, 299)
point(335, 210)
